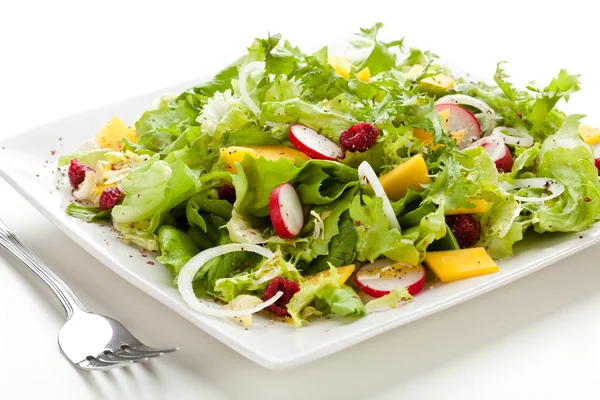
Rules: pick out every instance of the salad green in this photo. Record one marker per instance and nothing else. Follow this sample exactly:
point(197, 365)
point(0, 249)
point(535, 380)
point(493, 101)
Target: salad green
point(463, 165)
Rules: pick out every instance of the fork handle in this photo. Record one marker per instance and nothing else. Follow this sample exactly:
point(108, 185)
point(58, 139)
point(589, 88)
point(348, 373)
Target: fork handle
point(14, 246)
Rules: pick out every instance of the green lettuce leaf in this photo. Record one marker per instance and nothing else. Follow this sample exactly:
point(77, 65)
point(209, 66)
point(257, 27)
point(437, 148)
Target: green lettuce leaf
point(176, 248)
point(90, 157)
point(342, 301)
point(375, 238)
point(390, 300)
point(87, 214)
point(566, 158)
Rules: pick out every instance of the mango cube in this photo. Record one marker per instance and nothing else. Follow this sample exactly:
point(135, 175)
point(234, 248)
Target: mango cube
point(589, 134)
point(111, 136)
point(344, 272)
point(452, 265)
point(481, 206)
point(233, 154)
point(411, 174)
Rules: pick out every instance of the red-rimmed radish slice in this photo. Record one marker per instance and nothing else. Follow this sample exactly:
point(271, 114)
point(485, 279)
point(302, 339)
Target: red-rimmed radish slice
point(488, 112)
point(462, 119)
point(189, 270)
point(313, 144)
point(382, 276)
point(498, 151)
point(550, 185)
point(367, 175)
point(514, 136)
point(285, 210)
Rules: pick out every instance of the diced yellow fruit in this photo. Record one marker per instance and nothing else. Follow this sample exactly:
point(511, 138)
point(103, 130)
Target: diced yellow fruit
point(445, 117)
point(412, 173)
point(111, 136)
point(344, 272)
point(452, 265)
point(364, 74)
point(589, 134)
point(437, 83)
point(231, 155)
point(481, 206)
point(341, 65)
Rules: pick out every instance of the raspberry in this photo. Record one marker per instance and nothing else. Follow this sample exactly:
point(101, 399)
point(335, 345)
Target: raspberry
point(109, 197)
point(597, 162)
point(77, 172)
point(359, 137)
point(227, 193)
point(466, 229)
point(288, 288)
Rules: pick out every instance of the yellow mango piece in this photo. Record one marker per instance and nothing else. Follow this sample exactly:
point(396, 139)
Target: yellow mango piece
point(111, 136)
point(341, 65)
point(589, 134)
point(481, 206)
point(344, 272)
point(364, 74)
point(412, 173)
point(233, 154)
point(452, 265)
point(436, 84)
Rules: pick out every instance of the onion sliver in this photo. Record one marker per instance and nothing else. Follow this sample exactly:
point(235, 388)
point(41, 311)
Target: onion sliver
point(555, 187)
point(488, 112)
point(514, 136)
point(494, 145)
point(245, 72)
point(189, 270)
point(366, 173)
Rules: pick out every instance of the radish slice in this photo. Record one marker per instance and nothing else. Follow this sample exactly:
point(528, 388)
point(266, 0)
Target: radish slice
point(285, 210)
point(189, 270)
point(245, 72)
point(462, 119)
point(554, 187)
point(514, 136)
point(367, 175)
point(489, 113)
point(313, 144)
point(382, 276)
point(498, 151)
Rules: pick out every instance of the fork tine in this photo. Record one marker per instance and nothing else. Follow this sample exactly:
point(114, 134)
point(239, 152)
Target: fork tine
point(96, 364)
point(146, 350)
point(110, 357)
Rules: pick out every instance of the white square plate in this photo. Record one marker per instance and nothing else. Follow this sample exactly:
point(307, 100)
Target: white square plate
point(28, 162)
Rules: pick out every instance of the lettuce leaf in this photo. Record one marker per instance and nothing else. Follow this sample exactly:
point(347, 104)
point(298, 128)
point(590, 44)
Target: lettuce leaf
point(87, 214)
point(390, 300)
point(342, 301)
point(566, 158)
point(176, 248)
point(256, 178)
point(375, 238)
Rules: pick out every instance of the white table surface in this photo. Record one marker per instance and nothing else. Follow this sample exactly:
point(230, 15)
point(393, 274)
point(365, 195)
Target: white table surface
point(536, 338)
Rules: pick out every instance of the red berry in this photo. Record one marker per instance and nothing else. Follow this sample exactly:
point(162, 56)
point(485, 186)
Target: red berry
point(288, 288)
point(597, 161)
point(227, 193)
point(77, 172)
point(466, 229)
point(359, 137)
point(109, 197)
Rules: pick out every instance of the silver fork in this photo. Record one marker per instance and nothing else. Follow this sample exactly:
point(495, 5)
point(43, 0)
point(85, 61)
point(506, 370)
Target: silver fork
point(90, 341)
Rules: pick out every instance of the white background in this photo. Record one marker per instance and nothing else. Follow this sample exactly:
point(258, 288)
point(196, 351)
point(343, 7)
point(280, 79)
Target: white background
point(537, 338)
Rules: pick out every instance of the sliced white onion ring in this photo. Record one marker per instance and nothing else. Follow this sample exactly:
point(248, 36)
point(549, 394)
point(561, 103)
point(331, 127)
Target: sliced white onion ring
point(494, 145)
point(189, 270)
point(245, 72)
point(514, 136)
point(551, 185)
point(489, 113)
point(366, 175)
